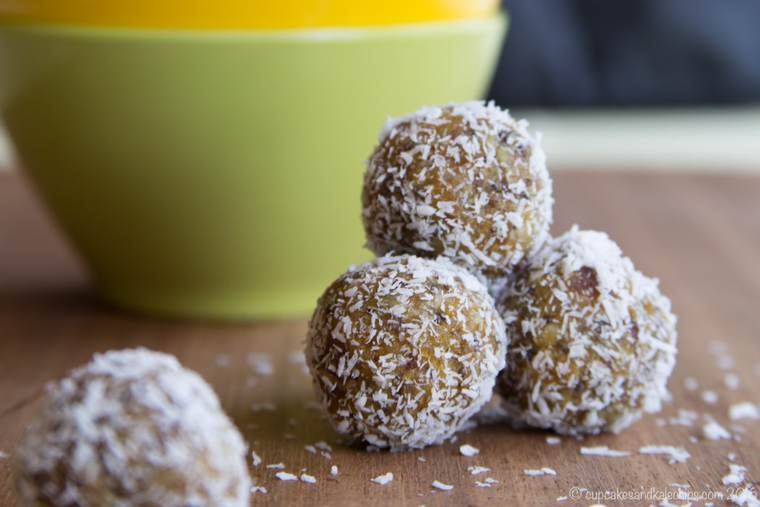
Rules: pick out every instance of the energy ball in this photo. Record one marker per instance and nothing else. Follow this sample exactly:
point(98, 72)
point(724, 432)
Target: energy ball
point(593, 341)
point(466, 181)
point(132, 428)
point(403, 350)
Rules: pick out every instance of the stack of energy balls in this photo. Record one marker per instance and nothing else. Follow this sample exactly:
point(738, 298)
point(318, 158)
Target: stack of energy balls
point(470, 292)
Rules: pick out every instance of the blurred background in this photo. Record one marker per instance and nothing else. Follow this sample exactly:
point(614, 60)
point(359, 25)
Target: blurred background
point(644, 84)
point(672, 84)
point(650, 85)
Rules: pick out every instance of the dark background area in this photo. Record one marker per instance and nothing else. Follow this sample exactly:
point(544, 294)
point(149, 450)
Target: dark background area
point(589, 53)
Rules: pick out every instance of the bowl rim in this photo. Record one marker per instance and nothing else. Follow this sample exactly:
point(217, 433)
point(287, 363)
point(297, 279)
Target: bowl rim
point(496, 20)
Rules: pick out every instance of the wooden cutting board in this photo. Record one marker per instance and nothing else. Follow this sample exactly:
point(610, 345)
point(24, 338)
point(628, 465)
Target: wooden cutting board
point(699, 234)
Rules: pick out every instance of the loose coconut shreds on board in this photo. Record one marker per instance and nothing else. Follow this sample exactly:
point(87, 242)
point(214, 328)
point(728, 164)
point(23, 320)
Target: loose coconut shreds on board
point(593, 340)
point(132, 427)
point(735, 476)
point(466, 181)
point(674, 454)
point(403, 350)
point(745, 496)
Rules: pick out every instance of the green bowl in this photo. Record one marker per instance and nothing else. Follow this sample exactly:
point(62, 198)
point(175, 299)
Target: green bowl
point(218, 174)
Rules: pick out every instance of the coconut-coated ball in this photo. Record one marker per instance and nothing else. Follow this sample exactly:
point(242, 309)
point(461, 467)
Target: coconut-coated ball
point(132, 428)
point(466, 181)
point(593, 341)
point(403, 350)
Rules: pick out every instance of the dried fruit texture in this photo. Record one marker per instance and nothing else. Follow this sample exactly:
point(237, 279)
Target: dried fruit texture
point(466, 181)
point(132, 428)
point(593, 341)
point(403, 350)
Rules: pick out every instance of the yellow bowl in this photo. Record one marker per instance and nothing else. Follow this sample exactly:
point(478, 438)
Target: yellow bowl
point(218, 174)
point(242, 14)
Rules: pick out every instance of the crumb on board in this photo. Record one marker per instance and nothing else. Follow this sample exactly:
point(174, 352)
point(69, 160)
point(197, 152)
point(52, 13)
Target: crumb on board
point(553, 440)
point(334, 471)
point(475, 470)
point(276, 466)
point(309, 479)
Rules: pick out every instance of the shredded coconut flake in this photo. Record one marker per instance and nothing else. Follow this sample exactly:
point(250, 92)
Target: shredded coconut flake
point(260, 364)
point(714, 431)
point(710, 397)
point(334, 471)
point(468, 450)
point(442, 486)
point(309, 479)
point(475, 470)
point(603, 450)
point(553, 440)
point(539, 472)
point(744, 410)
point(286, 476)
point(383, 479)
point(731, 380)
point(487, 483)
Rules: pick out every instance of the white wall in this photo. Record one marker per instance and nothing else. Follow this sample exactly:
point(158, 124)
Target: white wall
point(720, 139)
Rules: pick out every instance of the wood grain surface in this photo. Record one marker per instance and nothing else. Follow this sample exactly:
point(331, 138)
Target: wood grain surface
point(699, 234)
